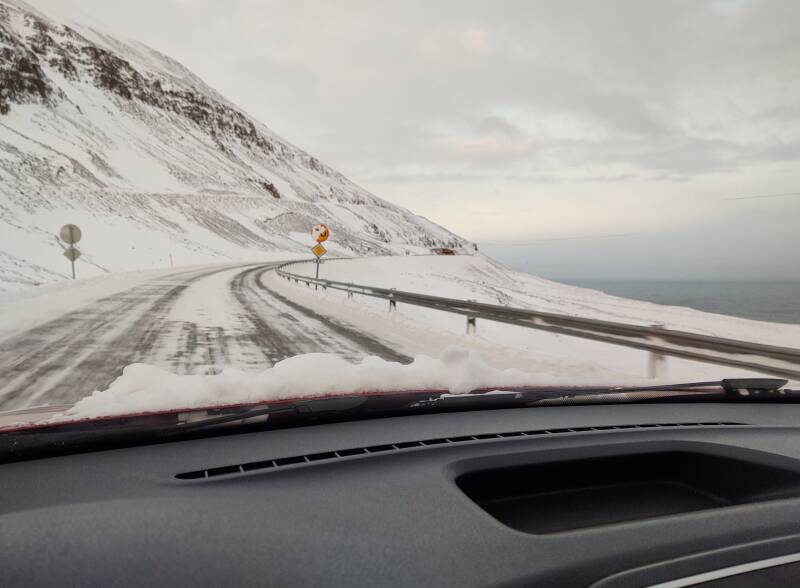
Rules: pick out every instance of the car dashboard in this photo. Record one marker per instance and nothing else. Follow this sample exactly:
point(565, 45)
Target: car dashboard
point(608, 496)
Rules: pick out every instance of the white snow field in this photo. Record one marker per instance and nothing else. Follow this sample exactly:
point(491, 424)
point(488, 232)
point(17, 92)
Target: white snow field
point(237, 333)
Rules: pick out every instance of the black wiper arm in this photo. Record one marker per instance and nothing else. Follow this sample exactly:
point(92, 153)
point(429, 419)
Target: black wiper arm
point(310, 409)
point(748, 386)
point(731, 387)
point(728, 389)
point(473, 400)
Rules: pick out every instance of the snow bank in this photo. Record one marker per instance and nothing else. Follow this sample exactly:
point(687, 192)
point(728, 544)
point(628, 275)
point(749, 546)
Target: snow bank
point(145, 388)
point(480, 278)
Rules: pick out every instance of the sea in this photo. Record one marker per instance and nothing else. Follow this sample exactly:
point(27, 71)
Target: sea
point(772, 301)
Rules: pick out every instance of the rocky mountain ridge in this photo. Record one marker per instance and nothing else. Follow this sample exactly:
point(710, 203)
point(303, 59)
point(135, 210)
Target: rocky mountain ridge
point(133, 145)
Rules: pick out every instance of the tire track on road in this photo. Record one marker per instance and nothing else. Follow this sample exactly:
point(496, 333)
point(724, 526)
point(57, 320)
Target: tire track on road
point(64, 359)
point(40, 365)
point(361, 341)
point(273, 344)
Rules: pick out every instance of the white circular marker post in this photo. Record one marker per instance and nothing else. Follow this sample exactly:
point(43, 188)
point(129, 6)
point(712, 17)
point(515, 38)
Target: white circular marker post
point(71, 234)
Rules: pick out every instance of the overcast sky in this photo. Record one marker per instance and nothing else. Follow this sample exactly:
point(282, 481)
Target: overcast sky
point(574, 139)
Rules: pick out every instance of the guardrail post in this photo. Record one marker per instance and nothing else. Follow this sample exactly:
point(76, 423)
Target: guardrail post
point(392, 305)
point(655, 360)
point(472, 327)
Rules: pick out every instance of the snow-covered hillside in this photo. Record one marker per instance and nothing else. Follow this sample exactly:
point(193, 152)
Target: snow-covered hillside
point(156, 166)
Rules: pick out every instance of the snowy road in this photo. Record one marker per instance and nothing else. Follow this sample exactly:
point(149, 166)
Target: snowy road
point(190, 321)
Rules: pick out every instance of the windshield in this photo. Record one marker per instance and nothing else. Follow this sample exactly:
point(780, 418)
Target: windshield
point(209, 206)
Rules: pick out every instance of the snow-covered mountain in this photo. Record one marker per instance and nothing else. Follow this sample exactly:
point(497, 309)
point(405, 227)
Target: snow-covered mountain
point(155, 166)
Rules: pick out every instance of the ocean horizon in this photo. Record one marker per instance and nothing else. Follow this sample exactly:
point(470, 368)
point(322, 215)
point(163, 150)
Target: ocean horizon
point(769, 300)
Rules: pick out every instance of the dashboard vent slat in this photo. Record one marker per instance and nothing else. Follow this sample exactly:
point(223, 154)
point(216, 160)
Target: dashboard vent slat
point(411, 445)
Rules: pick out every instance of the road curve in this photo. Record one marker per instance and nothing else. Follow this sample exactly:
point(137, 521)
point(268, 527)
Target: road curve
point(191, 321)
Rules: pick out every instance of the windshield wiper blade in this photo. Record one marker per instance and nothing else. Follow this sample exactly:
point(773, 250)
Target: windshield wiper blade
point(71, 437)
point(733, 389)
point(728, 385)
point(308, 410)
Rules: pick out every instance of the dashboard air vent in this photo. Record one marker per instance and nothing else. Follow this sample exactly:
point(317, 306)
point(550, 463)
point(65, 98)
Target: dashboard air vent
point(406, 445)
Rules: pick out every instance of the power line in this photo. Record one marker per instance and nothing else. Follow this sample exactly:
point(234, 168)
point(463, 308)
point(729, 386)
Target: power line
point(764, 196)
point(532, 241)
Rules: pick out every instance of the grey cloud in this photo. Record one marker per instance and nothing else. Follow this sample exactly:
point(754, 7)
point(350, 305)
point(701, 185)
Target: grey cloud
point(653, 85)
point(454, 96)
point(387, 85)
point(497, 126)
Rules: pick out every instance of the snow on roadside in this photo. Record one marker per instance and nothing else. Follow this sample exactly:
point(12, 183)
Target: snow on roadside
point(144, 388)
point(482, 279)
point(414, 330)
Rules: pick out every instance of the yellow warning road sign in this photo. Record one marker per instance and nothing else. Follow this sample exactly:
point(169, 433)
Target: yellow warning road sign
point(319, 250)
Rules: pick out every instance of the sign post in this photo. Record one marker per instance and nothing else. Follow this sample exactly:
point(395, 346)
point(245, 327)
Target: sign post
point(320, 233)
point(71, 234)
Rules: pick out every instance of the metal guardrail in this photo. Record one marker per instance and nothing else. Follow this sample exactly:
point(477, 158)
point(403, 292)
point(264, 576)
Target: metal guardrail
point(766, 359)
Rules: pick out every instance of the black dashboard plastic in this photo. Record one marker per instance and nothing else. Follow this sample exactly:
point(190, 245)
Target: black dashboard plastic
point(399, 518)
point(628, 485)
